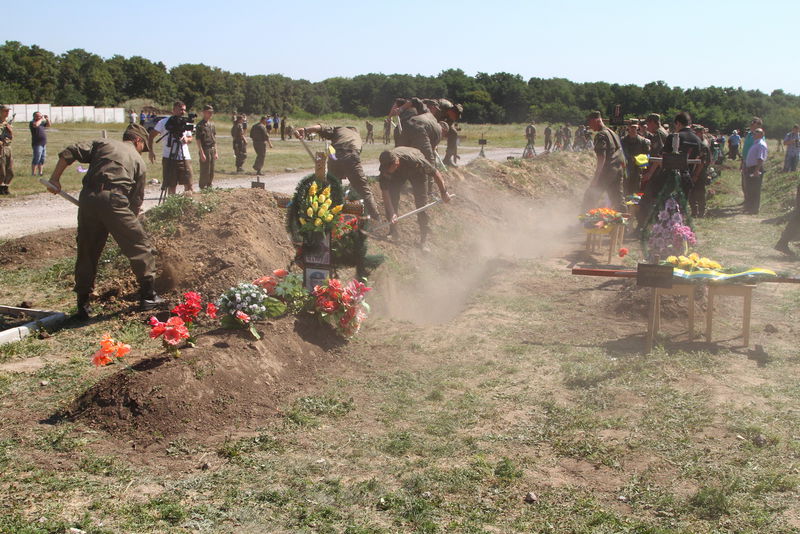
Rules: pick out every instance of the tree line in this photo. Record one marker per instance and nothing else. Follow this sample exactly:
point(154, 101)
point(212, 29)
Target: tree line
point(30, 74)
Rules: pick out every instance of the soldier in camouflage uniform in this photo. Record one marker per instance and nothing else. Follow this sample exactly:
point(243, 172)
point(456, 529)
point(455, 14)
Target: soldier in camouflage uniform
point(6, 159)
point(239, 142)
point(633, 145)
point(610, 166)
point(109, 203)
point(347, 165)
point(206, 135)
point(402, 164)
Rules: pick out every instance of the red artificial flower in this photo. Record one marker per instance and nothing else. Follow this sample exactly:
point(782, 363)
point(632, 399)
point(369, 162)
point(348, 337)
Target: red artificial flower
point(157, 330)
point(211, 310)
point(101, 358)
point(242, 317)
point(122, 350)
point(174, 335)
point(623, 252)
point(328, 306)
point(280, 273)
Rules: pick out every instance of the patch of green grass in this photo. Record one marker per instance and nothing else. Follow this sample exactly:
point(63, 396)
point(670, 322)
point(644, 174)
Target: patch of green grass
point(234, 449)
point(711, 502)
point(506, 471)
point(25, 348)
point(60, 438)
point(324, 406)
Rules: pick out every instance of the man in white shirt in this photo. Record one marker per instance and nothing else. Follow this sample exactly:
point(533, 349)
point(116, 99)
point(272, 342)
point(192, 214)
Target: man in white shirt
point(176, 161)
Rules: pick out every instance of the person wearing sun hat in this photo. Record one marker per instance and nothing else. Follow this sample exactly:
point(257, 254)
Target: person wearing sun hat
point(109, 203)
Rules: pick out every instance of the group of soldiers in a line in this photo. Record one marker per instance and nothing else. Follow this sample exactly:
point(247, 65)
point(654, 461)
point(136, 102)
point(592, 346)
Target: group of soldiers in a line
point(561, 138)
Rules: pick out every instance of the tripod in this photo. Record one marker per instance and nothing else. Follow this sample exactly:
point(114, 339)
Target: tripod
point(175, 150)
point(530, 151)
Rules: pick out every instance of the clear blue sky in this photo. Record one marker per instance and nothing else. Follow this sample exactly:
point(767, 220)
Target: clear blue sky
point(726, 43)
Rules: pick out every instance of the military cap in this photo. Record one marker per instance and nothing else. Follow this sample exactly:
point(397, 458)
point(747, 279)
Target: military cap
point(386, 160)
point(208, 107)
point(139, 131)
point(654, 117)
point(3, 107)
point(460, 109)
point(697, 127)
point(594, 115)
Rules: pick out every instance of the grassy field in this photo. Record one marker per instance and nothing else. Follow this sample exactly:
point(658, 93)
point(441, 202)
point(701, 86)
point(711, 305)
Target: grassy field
point(535, 386)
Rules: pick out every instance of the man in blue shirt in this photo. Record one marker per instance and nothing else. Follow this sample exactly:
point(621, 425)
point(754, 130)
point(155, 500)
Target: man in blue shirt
point(748, 142)
point(792, 143)
point(733, 144)
point(753, 172)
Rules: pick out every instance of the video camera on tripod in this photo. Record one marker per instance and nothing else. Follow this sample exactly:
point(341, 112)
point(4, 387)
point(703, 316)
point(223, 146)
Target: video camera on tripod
point(178, 125)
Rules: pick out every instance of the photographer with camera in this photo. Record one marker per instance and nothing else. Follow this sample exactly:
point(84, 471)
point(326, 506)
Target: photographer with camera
point(176, 161)
point(38, 141)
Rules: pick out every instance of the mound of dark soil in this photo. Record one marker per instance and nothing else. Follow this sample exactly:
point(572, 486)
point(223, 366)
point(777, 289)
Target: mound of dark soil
point(37, 249)
point(229, 380)
point(242, 239)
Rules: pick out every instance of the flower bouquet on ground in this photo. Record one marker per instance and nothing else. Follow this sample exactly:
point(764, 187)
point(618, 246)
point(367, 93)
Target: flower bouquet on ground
point(110, 348)
point(245, 303)
point(670, 236)
point(286, 287)
point(602, 218)
point(342, 307)
point(190, 309)
point(172, 333)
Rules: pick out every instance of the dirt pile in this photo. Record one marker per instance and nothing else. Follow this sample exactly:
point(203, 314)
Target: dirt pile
point(239, 240)
point(37, 249)
point(228, 380)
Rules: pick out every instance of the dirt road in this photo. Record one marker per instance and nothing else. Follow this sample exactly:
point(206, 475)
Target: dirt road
point(45, 212)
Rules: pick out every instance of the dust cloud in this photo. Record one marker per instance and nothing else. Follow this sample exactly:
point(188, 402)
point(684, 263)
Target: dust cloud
point(501, 228)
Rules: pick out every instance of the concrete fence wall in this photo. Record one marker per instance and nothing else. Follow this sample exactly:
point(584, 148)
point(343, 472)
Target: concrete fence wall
point(59, 114)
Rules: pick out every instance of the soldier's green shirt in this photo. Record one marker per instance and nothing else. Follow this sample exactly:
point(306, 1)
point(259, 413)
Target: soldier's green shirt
point(424, 133)
point(259, 134)
point(237, 132)
point(607, 142)
point(206, 133)
point(342, 138)
point(635, 145)
point(113, 162)
point(657, 142)
point(6, 136)
point(412, 162)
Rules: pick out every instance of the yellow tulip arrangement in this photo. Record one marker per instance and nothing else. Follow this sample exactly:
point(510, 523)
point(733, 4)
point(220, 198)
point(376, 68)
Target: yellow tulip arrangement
point(320, 212)
point(694, 262)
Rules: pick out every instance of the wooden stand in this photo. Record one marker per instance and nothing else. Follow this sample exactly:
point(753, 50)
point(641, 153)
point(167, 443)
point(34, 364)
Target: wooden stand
point(615, 233)
point(730, 290)
point(654, 322)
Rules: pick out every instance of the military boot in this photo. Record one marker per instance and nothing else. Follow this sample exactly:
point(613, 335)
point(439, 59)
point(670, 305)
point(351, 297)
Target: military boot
point(4, 190)
point(148, 299)
point(84, 309)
